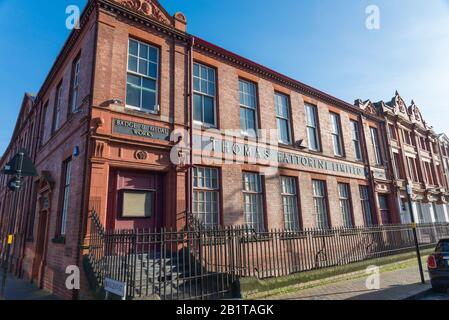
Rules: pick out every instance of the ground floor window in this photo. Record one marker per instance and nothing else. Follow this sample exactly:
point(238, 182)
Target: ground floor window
point(320, 204)
point(345, 204)
point(290, 203)
point(67, 170)
point(384, 209)
point(366, 205)
point(439, 213)
point(253, 201)
point(206, 195)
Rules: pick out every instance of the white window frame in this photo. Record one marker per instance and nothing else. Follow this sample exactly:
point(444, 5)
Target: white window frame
point(142, 76)
point(320, 201)
point(206, 182)
point(289, 193)
point(355, 131)
point(337, 134)
point(344, 196)
point(204, 94)
point(58, 103)
point(75, 85)
point(277, 98)
point(376, 145)
point(66, 196)
point(313, 126)
point(253, 191)
point(245, 131)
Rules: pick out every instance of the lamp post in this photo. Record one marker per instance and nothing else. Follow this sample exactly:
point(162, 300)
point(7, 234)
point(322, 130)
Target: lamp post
point(415, 236)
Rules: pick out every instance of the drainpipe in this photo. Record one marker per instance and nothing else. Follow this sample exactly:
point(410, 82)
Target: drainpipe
point(86, 170)
point(370, 176)
point(190, 115)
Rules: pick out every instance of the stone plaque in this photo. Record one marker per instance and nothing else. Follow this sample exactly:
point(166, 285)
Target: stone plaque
point(132, 128)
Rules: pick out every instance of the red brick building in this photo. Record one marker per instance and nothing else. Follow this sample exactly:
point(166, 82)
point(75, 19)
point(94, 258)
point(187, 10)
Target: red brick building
point(109, 131)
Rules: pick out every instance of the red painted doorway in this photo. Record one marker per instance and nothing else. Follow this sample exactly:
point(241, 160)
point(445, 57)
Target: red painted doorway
point(135, 200)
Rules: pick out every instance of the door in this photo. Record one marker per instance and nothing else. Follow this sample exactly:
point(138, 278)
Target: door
point(41, 243)
point(135, 200)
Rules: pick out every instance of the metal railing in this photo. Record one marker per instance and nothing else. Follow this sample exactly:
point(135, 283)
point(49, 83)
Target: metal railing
point(204, 263)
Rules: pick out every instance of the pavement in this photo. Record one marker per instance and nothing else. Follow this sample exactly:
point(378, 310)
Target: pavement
point(19, 289)
point(398, 284)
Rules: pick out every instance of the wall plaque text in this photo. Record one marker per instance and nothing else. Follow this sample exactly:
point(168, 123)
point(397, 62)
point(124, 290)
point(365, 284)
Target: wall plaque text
point(140, 130)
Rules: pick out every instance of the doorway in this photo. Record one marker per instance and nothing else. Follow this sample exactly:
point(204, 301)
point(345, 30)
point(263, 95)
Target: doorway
point(135, 200)
point(41, 246)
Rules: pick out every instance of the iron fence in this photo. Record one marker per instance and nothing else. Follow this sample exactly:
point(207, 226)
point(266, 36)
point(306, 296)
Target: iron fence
point(204, 263)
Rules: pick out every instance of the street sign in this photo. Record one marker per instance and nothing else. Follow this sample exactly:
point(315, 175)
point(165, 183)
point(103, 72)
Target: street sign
point(115, 287)
point(20, 163)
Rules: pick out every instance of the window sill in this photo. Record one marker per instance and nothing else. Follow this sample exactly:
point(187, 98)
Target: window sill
point(203, 126)
point(58, 240)
point(144, 111)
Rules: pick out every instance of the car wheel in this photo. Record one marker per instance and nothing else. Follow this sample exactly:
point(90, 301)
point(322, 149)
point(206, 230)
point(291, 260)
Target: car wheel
point(439, 288)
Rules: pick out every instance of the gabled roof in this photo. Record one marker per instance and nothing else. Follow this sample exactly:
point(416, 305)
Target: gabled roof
point(444, 138)
point(150, 8)
point(415, 115)
point(367, 106)
point(25, 109)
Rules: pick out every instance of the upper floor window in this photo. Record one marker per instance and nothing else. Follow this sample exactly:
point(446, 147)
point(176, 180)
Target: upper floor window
point(43, 130)
point(397, 166)
point(76, 70)
point(412, 169)
point(355, 131)
point(142, 78)
point(435, 148)
point(407, 137)
point(423, 143)
point(248, 107)
point(336, 133)
point(312, 127)
point(428, 173)
point(376, 145)
point(204, 98)
point(283, 118)
point(392, 132)
point(57, 110)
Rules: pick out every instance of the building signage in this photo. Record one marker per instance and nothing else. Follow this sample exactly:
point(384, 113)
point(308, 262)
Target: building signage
point(206, 144)
point(115, 287)
point(380, 175)
point(140, 130)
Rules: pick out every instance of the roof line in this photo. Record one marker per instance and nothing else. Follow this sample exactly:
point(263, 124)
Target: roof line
point(288, 80)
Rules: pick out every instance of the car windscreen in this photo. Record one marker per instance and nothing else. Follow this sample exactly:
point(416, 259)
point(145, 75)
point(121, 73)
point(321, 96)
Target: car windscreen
point(443, 246)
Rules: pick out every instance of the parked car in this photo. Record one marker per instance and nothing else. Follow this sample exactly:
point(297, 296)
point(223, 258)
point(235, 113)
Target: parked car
point(438, 265)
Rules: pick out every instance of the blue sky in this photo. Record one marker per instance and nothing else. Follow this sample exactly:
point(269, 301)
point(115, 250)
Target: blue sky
point(322, 43)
